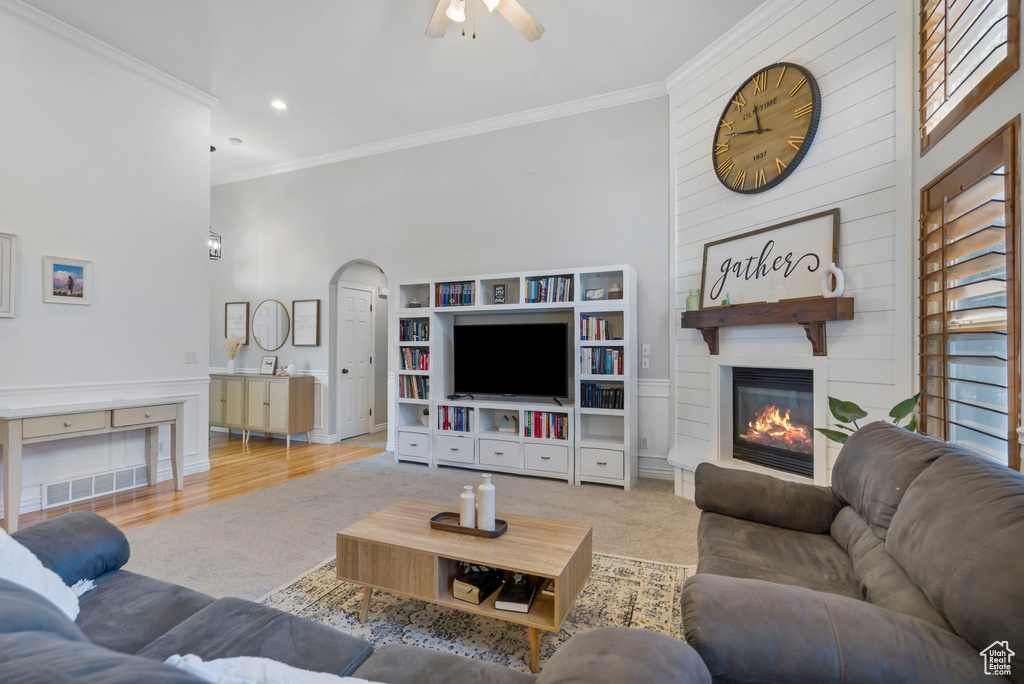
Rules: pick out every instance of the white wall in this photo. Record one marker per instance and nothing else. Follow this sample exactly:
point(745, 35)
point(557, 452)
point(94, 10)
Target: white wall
point(587, 189)
point(105, 165)
point(858, 51)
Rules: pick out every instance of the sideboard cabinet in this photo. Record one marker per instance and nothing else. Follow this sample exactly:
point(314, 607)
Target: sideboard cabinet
point(267, 404)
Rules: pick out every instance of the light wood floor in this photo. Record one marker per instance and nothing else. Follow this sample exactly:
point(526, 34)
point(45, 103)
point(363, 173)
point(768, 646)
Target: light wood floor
point(236, 469)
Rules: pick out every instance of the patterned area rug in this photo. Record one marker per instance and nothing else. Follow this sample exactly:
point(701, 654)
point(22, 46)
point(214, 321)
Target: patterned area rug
point(620, 591)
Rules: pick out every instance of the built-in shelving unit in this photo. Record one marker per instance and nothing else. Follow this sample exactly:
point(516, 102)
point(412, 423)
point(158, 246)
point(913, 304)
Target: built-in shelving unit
point(593, 444)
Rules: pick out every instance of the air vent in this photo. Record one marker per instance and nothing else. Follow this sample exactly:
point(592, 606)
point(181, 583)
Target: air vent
point(81, 488)
point(141, 476)
point(103, 484)
point(58, 493)
point(69, 491)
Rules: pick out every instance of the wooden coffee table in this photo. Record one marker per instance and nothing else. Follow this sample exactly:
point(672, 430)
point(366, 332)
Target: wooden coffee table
point(396, 550)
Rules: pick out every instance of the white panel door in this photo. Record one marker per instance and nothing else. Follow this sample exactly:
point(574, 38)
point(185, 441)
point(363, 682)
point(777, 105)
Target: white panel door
point(355, 329)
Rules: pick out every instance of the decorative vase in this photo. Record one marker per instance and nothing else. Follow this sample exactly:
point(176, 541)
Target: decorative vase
point(293, 370)
point(485, 505)
point(693, 300)
point(425, 419)
point(826, 290)
point(467, 507)
point(615, 292)
point(231, 366)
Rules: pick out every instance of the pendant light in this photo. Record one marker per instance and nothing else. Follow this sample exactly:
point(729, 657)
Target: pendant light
point(215, 245)
point(491, 4)
point(457, 11)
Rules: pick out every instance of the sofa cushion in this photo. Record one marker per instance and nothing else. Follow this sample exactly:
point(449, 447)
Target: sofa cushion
point(127, 611)
point(877, 465)
point(881, 578)
point(23, 610)
point(233, 627)
point(76, 545)
point(958, 535)
point(402, 664)
point(34, 658)
point(740, 548)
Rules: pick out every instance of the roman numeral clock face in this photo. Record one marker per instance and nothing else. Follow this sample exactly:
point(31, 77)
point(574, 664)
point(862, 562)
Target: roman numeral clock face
point(766, 129)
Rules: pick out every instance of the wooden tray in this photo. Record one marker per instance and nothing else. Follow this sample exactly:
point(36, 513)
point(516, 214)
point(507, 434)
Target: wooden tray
point(449, 522)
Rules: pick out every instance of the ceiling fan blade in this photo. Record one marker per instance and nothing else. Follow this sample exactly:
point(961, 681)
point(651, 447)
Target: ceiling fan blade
point(521, 19)
point(439, 22)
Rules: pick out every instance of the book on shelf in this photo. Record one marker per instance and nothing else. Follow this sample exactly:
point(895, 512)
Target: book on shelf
point(546, 425)
point(594, 328)
point(454, 418)
point(593, 395)
point(414, 331)
point(454, 294)
point(603, 361)
point(516, 597)
point(548, 290)
point(476, 587)
point(414, 387)
point(415, 359)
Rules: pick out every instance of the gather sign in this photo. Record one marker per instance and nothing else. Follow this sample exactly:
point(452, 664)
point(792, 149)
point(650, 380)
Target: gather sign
point(780, 262)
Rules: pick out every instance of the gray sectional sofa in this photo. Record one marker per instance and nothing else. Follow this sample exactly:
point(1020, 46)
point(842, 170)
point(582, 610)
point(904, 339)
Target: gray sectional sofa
point(903, 570)
point(129, 624)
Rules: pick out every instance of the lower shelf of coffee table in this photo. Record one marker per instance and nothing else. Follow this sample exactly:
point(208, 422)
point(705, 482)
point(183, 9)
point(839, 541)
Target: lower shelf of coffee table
point(541, 615)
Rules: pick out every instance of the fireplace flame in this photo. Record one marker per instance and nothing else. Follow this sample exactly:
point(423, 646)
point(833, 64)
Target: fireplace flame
point(773, 428)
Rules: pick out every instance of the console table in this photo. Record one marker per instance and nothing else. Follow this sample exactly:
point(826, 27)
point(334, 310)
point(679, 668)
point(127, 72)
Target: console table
point(19, 426)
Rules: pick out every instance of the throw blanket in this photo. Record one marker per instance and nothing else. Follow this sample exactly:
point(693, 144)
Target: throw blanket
point(19, 565)
point(253, 671)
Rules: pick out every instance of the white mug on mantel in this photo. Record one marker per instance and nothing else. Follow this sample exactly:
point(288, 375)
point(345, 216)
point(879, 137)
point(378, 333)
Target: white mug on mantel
point(467, 507)
point(485, 505)
point(826, 287)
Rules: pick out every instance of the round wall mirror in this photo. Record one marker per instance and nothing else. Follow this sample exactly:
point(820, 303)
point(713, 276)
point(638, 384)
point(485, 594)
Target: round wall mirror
point(270, 325)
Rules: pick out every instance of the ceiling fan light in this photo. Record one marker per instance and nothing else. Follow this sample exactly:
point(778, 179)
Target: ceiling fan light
point(457, 11)
point(491, 4)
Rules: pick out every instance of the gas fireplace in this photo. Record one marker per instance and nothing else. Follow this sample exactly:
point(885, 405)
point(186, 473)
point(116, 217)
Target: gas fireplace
point(773, 415)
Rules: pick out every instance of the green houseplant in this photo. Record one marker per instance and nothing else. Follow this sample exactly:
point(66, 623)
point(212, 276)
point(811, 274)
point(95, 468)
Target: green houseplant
point(848, 413)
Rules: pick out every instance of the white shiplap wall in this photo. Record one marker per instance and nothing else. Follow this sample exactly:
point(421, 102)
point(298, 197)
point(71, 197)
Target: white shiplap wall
point(857, 52)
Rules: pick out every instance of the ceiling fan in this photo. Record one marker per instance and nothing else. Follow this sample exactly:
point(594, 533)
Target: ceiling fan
point(455, 10)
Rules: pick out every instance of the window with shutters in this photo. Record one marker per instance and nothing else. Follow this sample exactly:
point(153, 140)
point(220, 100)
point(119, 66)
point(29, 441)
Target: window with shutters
point(970, 302)
point(968, 49)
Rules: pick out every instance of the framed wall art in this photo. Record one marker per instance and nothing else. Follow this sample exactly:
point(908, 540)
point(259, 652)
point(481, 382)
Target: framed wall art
point(8, 275)
point(781, 262)
point(268, 366)
point(236, 320)
point(67, 281)
point(306, 323)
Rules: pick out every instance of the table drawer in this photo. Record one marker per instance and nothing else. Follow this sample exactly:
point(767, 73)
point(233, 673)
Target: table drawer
point(499, 453)
point(458, 449)
point(413, 444)
point(144, 414)
point(44, 426)
point(552, 458)
point(602, 463)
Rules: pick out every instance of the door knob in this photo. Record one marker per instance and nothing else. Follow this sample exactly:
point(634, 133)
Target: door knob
point(344, 370)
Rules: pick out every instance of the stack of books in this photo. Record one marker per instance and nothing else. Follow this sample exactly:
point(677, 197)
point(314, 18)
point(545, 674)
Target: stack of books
point(549, 290)
point(476, 586)
point(516, 597)
point(415, 359)
point(414, 331)
point(454, 294)
point(594, 328)
point(414, 387)
point(544, 425)
point(454, 418)
point(603, 361)
point(598, 396)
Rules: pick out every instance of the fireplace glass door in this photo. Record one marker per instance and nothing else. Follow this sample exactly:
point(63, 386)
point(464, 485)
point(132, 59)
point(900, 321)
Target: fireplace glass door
point(773, 416)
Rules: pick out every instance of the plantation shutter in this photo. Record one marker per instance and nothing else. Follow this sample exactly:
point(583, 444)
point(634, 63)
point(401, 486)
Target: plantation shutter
point(970, 303)
point(968, 48)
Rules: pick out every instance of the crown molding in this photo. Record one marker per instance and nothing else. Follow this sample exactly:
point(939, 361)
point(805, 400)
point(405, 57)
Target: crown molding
point(744, 29)
point(587, 104)
point(69, 34)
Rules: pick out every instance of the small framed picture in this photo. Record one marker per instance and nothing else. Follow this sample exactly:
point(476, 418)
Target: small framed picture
point(269, 365)
point(236, 320)
point(67, 281)
point(306, 322)
point(594, 294)
point(8, 274)
point(499, 294)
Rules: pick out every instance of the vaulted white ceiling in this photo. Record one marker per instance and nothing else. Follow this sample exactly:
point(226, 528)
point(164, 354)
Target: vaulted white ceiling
point(355, 73)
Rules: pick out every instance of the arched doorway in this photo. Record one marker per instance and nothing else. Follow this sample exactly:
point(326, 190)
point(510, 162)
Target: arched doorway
point(358, 331)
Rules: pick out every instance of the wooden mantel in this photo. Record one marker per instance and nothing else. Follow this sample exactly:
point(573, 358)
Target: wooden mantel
point(811, 314)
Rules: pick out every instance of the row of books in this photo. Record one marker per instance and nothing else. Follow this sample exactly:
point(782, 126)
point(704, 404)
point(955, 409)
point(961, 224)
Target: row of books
point(414, 331)
point(415, 359)
point(549, 290)
point(544, 425)
point(594, 328)
point(414, 387)
point(477, 583)
point(454, 418)
point(593, 395)
point(603, 361)
point(454, 294)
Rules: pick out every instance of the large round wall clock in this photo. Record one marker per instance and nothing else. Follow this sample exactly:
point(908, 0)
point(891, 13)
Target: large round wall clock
point(767, 128)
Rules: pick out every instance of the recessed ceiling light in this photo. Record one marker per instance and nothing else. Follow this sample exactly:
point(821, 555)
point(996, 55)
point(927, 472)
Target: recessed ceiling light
point(278, 104)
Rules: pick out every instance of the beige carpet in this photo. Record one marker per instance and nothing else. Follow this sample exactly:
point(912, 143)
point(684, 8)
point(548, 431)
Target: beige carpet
point(253, 544)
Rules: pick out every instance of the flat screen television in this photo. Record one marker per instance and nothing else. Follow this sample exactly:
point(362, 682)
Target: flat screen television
point(519, 359)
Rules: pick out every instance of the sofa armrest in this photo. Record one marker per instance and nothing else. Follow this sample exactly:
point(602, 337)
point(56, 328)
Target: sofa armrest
point(76, 545)
point(612, 655)
point(765, 499)
point(755, 631)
